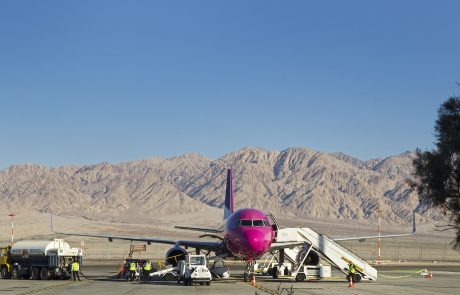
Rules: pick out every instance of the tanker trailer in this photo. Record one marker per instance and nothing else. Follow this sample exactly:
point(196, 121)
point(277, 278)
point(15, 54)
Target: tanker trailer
point(43, 260)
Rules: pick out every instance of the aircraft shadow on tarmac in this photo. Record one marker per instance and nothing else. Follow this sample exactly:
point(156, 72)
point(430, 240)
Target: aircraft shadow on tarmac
point(153, 281)
point(270, 280)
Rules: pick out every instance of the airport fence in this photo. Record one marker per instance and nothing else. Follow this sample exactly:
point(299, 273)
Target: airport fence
point(391, 249)
point(417, 248)
point(398, 249)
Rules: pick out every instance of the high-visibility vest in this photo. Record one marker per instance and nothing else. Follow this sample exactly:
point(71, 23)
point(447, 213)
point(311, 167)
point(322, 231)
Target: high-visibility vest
point(351, 268)
point(132, 266)
point(75, 266)
point(148, 266)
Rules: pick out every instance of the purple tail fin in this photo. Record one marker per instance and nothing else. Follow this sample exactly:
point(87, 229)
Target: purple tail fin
point(228, 207)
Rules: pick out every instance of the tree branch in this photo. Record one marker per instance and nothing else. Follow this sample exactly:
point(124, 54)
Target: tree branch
point(446, 227)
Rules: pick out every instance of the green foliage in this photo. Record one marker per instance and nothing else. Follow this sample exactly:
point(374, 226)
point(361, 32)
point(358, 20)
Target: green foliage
point(437, 172)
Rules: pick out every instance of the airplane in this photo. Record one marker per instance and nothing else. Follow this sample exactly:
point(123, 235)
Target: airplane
point(247, 235)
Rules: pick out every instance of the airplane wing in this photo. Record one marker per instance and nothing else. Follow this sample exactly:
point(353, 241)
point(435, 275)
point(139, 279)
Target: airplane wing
point(283, 245)
point(201, 229)
point(292, 244)
point(204, 245)
point(414, 230)
point(373, 237)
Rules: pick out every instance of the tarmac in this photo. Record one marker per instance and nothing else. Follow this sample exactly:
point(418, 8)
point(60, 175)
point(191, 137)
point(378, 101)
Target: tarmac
point(392, 280)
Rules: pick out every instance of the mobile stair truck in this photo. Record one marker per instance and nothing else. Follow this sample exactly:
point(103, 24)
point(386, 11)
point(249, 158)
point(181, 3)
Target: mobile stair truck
point(315, 245)
point(193, 270)
point(38, 260)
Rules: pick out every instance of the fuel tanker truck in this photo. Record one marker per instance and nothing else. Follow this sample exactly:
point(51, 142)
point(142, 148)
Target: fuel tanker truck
point(38, 260)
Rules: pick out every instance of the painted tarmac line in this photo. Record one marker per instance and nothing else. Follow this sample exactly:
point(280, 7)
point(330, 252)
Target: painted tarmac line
point(438, 272)
point(262, 288)
point(343, 291)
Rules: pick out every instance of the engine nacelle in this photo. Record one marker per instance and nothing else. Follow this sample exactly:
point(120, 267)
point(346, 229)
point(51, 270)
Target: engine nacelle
point(174, 255)
point(312, 258)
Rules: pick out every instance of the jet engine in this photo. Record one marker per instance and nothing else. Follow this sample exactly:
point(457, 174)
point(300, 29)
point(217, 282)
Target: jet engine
point(312, 258)
point(175, 254)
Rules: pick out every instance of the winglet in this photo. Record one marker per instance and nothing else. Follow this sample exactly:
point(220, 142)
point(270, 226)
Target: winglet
point(228, 206)
point(414, 228)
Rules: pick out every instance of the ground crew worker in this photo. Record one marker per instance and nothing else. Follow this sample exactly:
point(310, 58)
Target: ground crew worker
point(132, 271)
point(146, 270)
point(75, 270)
point(351, 270)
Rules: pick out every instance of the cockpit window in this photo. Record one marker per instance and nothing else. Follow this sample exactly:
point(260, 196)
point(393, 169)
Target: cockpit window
point(257, 223)
point(245, 222)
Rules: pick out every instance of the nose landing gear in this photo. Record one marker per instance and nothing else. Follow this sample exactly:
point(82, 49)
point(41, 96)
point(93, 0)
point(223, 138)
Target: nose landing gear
point(249, 271)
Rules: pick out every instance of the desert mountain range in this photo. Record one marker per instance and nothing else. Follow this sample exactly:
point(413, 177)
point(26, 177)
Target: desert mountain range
point(294, 183)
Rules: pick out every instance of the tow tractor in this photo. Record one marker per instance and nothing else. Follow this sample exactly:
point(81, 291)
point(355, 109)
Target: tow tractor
point(193, 270)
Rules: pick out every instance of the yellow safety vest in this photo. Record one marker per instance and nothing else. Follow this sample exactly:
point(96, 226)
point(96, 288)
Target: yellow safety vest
point(132, 266)
point(351, 268)
point(148, 266)
point(75, 266)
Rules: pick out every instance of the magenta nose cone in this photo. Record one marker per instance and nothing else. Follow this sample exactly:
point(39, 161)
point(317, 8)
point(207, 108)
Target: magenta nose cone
point(257, 241)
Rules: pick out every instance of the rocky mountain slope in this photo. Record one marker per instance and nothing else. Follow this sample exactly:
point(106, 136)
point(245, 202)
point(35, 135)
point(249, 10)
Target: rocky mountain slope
point(296, 182)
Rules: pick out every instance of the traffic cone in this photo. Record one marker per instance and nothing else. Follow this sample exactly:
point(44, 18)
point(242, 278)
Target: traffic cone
point(253, 280)
point(350, 282)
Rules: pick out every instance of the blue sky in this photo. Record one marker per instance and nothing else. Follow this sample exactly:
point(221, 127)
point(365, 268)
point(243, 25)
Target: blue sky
point(84, 82)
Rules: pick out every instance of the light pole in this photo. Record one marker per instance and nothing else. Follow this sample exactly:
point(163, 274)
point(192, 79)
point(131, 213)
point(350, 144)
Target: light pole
point(12, 215)
point(378, 233)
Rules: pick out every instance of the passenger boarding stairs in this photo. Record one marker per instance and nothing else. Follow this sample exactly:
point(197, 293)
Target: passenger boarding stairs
point(332, 251)
point(292, 255)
